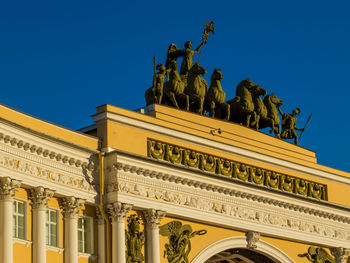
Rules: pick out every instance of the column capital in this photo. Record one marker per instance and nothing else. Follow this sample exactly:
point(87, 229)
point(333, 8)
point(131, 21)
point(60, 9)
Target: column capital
point(100, 219)
point(71, 206)
point(152, 217)
point(39, 196)
point(340, 254)
point(117, 211)
point(8, 188)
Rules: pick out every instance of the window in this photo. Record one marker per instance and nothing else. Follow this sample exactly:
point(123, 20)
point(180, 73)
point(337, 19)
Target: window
point(85, 234)
point(52, 227)
point(19, 219)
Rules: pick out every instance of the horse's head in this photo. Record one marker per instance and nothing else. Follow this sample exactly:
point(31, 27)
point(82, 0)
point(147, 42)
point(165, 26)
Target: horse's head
point(274, 99)
point(258, 91)
point(217, 75)
point(197, 69)
point(246, 83)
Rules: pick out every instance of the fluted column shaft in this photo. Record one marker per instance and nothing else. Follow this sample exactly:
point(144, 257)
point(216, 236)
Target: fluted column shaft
point(7, 191)
point(152, 219)
point(117, 212)
point(39, 197)
point(71, 206)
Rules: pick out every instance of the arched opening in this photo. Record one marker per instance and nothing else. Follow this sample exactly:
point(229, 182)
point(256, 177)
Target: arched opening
point(239, 255)
point(234, 250)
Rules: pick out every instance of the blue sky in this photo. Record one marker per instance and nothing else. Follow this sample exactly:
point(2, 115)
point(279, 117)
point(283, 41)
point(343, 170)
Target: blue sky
point(61, 59)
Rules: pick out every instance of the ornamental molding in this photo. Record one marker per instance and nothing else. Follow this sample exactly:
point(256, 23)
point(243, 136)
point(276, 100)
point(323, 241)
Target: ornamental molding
point(252, 239)
point(230, 205)
point(46, 151)
point(208, 188)
point(22, 168)
point(218, 146)
point(233, 169)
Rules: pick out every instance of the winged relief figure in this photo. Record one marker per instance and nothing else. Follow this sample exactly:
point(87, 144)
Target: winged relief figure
point(179, 245)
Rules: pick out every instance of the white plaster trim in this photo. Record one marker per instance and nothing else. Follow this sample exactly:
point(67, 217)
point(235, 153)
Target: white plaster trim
point(208, 199)
point(240, 242)
point(59, 250)
point(27, 243)
point(157, 129)
point(87, 255)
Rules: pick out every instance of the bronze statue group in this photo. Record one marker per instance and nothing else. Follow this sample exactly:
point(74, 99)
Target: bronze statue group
point(189, 91)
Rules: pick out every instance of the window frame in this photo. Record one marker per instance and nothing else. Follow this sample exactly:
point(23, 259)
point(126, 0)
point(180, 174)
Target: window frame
point(90, 222)
point(57, 227)
point(25, 218)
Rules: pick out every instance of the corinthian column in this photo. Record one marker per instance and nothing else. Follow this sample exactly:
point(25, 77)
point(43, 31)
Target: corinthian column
point(71, 206)
point(340, 254)
point(7, 191)
point(117, 212)
point(152, 219)
point(39, 197)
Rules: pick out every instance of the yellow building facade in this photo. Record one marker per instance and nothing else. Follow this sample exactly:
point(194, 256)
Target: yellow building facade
point(200, 189)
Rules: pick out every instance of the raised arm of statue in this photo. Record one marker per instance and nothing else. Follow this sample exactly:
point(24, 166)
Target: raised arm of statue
point(198, 48)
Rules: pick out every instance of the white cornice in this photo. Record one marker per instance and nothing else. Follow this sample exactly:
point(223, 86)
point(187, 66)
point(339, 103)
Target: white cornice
point(236, 151)
point(211, 200)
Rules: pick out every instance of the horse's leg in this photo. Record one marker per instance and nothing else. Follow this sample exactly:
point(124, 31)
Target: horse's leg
point(249, 115)
point(173, 100)
point(212, 109)
point(227, 110)
point(278, 130)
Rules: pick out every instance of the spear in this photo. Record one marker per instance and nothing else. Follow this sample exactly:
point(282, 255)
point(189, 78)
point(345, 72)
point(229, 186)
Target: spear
point(154, 64)
point(305, 126)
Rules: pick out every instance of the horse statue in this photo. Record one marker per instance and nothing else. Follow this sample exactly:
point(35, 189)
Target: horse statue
point(272, 118)
point(242, 106)
point(260, 110)
point(155, 93)
point(215, 98)
point(196, 88)
point(174, 90)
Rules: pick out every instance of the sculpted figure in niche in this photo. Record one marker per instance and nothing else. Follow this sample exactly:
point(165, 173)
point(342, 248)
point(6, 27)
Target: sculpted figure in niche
point(215, 98)
point(289, 122)
point(179, 245)
point(135, 240)
point(155, 93)
point(174, 89)
point(196, 88)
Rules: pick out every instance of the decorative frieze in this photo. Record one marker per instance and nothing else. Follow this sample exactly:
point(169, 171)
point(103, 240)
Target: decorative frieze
point(117, 211)
point(237, 210)
point(35, 149)
point(18, 165)
point(8, 187)
point(39, 196)
point(71, 206)
point(235, 170)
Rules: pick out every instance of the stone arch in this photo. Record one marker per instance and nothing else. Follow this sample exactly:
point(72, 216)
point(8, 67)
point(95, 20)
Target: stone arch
point(263, 247)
